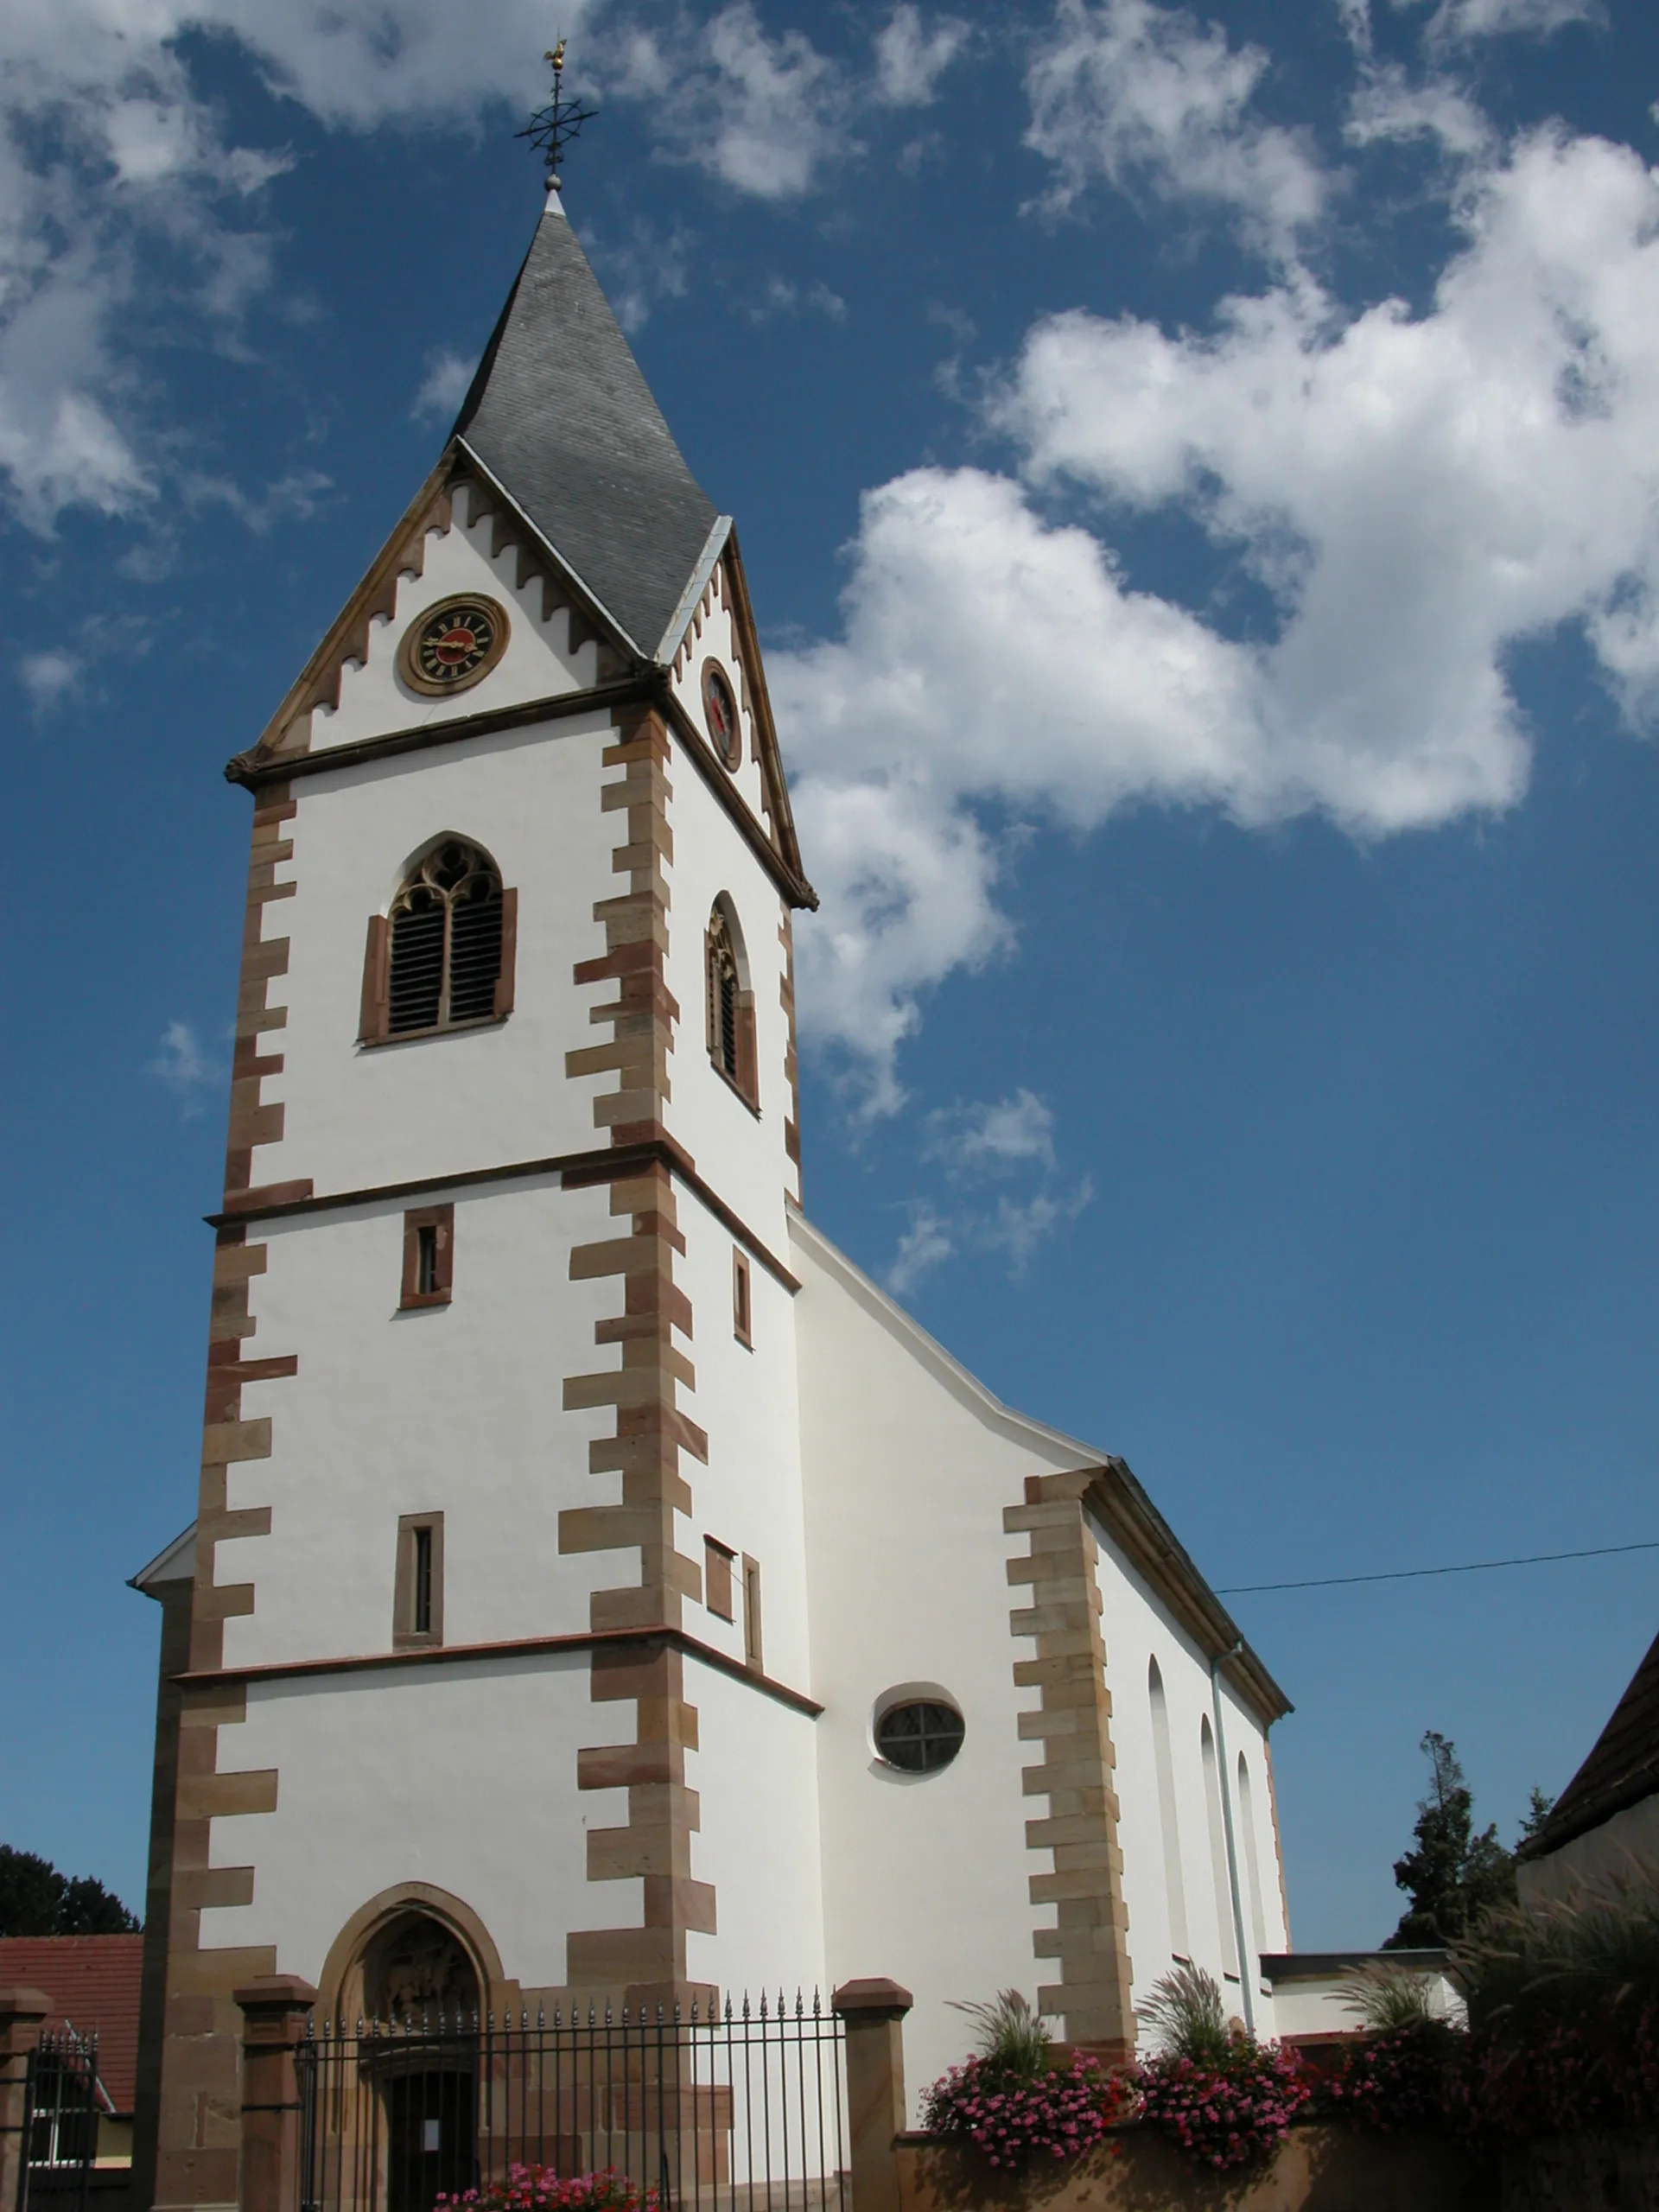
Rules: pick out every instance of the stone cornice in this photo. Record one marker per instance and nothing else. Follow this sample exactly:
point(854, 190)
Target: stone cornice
point(439, 1654)
point(648, 685)
point(608, 1163)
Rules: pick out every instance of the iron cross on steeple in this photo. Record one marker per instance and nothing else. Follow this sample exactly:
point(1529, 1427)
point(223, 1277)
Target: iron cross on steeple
point(552, 128)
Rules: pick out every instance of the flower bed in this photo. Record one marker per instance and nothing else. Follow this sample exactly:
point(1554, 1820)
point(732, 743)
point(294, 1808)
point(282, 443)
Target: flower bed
point(538, 2188)
point(1017, 2119)
point(1227, 2112)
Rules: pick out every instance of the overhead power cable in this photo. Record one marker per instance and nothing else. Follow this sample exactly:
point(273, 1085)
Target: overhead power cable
point(1417, 1573)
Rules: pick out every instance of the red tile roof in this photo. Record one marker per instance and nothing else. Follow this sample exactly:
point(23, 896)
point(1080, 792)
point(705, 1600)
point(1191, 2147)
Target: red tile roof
point(93, 1981)
point(1622, 1769)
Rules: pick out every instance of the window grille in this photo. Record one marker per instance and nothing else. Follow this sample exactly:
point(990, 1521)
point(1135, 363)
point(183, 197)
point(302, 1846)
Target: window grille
point(920, 1738)
point(446, 942)
point(731, 1005)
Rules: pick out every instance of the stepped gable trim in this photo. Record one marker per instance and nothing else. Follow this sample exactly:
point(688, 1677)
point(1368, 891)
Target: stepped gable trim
point(696, 591)
point(652, 1431)
point(1622, 1769)
point(726, 580)
point(647, 686)
point(572, 586)
point(286, 739)
point(1073, 1725)
point(1126, 1514)
point(347, 636)
point(523, 1647)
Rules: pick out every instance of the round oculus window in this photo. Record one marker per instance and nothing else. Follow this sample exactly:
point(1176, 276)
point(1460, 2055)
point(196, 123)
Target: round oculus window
point(720, 713)
point(453, 644)
point(921, 1737)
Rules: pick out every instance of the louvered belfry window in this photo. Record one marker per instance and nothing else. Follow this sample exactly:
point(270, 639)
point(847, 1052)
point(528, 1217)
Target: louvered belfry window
point(731, 1006)
point(446, 942)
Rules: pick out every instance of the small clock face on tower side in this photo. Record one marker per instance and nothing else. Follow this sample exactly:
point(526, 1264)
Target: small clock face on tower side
point(453, 644)
point(720, 712)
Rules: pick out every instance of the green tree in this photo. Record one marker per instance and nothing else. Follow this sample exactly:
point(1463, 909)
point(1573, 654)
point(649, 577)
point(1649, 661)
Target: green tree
point(35, 1899)
point(1539, 1809)
point(1456, 1873)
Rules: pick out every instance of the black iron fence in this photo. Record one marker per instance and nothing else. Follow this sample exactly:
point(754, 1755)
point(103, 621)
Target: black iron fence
point(59, 2123)
point(736, 2108)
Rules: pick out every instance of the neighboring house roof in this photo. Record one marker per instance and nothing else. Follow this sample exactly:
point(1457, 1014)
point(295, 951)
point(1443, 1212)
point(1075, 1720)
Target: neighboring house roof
point(560, 416)
point(1623, 1767)
point(93, 1981)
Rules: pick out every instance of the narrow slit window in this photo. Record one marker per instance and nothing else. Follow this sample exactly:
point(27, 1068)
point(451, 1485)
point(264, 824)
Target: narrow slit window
point(717, 1577)
point(428, 1256)
point(417, 1599)
point(754, 1647)
point(741, 1328)
point(422, 1621)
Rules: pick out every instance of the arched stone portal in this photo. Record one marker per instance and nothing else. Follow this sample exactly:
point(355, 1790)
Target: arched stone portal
point(406, 1972)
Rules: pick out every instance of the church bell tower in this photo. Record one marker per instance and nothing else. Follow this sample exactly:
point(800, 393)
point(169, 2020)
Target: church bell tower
point(490, 1632)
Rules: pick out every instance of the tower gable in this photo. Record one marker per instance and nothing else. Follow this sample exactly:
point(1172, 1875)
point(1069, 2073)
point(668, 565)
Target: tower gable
point(718, 632)
point(458, 535)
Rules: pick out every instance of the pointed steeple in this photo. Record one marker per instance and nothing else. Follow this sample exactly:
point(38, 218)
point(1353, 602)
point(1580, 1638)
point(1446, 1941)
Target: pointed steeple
point(562, 418)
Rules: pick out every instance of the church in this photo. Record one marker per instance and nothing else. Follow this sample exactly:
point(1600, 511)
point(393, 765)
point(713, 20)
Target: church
point(599, 1589)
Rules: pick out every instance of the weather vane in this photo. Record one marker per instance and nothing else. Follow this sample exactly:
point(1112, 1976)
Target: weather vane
point(552, 128)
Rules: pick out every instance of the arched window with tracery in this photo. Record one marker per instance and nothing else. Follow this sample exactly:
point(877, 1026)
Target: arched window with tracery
point(731, 1003)
point(442, 958)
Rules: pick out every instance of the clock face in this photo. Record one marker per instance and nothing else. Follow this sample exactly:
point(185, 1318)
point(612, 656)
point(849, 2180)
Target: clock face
point(720, 712)
point(453, 644)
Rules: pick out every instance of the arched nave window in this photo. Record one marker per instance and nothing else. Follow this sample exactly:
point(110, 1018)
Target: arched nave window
point(1221, 1887)
point(731, 1003)
point(442, 958)
point(1169, 1821)
point(1252, 1857)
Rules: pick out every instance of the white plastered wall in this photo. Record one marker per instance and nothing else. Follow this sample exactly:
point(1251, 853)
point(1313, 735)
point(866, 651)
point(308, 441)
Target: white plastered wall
point(1137, 1627)
point(455, 1409)
point(537, 662)
point(458, 1774)
point(356, 1117)
point(742, 1158)
point(908, 1464)
point(713, 637)
point(907, 1471)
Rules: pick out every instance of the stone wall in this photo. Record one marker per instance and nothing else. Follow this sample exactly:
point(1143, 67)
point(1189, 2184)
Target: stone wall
point(1318, 2170)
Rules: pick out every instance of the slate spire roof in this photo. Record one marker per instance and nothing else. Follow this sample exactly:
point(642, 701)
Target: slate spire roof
point(562, 418)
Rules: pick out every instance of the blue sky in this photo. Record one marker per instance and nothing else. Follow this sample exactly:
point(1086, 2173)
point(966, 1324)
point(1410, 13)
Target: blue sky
point(1198, 475)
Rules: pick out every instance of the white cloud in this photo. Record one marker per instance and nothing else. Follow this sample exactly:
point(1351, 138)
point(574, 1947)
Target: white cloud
point(1461, 21)
point(641, 268)
point(1142, 95)
point(444, 385)
point(759, 113)
point(1411, 495)
point(187, 1068)
point(911, 59)
point(49, 676)
point(779, 297)
point(1018, 1229)
point(1012, 1228)
point(987, 1137)
point(924, 1246)
point(1387, 106)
